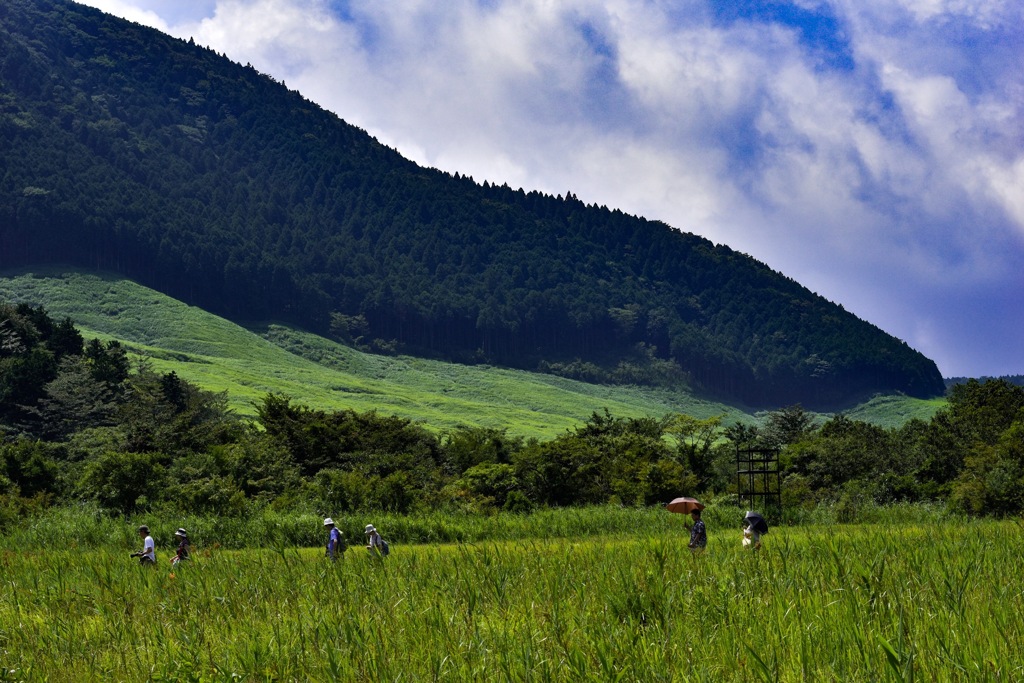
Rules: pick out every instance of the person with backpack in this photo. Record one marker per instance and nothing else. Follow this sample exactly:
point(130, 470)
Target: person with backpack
point(148, 553)
point(184, 546)
point(336, 545)
point(375, 544)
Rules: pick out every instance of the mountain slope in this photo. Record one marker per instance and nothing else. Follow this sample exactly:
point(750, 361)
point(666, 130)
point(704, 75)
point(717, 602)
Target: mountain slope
point(222, 356)
point(135, 152)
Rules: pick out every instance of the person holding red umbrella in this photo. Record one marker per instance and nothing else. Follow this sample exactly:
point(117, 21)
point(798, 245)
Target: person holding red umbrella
point(691, 506)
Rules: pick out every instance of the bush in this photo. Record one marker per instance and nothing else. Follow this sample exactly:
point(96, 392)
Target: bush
point(491, 481)
point(30, 466)
point(517, 503)
point(124, 482)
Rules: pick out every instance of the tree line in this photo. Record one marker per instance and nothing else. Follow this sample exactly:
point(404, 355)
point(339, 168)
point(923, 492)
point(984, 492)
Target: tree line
point(80, 421)
point(131, 151)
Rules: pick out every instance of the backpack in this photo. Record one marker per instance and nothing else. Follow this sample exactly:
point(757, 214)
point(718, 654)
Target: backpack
point(384, 547)
point(342, 544)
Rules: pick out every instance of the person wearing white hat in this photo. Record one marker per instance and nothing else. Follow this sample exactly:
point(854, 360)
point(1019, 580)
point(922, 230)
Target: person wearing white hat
point(335, 540)
point(184, 546)
point(375, 544)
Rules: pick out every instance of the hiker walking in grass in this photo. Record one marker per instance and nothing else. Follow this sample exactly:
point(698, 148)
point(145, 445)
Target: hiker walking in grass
point(751, 537)
point(336, 545)
point(754, 526)
point(375, 545)
point(148, 553)
point(184, 546)
point(698, 534)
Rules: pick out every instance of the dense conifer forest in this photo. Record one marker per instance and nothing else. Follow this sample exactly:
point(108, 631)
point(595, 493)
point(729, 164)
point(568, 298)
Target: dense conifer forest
point(128, 150)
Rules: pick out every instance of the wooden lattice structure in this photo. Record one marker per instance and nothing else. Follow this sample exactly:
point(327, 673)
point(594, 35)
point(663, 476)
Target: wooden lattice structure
point(758, 479)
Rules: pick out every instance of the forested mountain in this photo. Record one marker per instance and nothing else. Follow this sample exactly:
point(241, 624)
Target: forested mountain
point(124, 149)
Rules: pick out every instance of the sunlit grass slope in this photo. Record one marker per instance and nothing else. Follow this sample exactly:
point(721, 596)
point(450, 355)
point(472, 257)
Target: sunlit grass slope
point(249, 363)
point(893, 411)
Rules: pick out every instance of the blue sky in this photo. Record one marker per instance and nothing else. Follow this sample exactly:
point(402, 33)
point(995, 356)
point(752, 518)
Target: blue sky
point(872, 150)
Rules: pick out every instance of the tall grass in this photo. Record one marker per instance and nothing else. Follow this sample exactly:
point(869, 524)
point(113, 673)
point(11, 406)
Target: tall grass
point(902, 602)
point(86, 526)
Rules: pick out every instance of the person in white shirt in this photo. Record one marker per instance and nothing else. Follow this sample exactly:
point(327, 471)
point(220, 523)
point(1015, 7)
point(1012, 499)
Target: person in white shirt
point(148, 553)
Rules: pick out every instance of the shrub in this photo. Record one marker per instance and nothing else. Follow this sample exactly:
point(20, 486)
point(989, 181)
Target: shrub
point(124, 482)
point(30, 466)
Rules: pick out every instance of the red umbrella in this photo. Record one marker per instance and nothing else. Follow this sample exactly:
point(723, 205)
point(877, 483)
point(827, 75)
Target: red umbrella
point(684, 505)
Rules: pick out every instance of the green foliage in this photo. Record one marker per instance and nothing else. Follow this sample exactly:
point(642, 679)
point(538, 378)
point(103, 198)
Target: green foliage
point(108, 363)
point(318, 440)
point(74, 400)
point(606, 459)
point(666, 479)
point(695, 438)
point(490, 483)
point(993, 478)
point(164, 413)
point(29, 468)
point(203, 483)
point(787, 426)
point(261, 468)
point(467, 447)
point(982, 411)
point(124, 481)
point(27, 364)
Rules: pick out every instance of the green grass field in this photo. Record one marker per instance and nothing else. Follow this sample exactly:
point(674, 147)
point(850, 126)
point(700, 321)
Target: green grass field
point(248, 362)
point(897, 601)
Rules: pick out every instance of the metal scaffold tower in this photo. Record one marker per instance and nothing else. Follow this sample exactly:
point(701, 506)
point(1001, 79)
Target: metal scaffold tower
point(758, 477)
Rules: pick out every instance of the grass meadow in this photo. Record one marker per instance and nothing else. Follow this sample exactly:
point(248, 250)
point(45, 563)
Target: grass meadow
point(606, 594)
point(611, 594)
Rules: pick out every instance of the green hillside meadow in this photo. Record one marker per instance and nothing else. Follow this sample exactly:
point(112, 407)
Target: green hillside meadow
point(248, 363)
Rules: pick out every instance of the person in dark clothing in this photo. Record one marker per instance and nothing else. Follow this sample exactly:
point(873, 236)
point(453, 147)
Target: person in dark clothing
point(698, 534)
point(184, 546)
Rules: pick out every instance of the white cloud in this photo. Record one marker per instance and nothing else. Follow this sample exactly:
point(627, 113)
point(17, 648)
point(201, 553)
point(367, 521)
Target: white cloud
point(130, 10)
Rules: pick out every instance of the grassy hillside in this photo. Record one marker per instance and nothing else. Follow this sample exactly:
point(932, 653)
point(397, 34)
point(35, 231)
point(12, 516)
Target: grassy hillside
point(248, 363)
point(893, 411)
